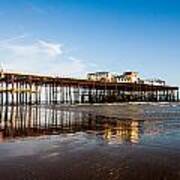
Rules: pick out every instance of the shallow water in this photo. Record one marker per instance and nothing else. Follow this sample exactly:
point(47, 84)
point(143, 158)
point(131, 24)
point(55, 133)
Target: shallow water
point(117, 141)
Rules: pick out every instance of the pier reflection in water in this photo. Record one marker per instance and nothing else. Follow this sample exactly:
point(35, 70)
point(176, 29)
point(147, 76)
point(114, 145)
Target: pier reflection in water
point(29, 121)
point(127, 142)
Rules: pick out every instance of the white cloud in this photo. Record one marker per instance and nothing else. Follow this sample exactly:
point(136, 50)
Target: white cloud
point(51, 48)
point(70, 66)
point(8, 40)
point(37, 48)
point(39, 56)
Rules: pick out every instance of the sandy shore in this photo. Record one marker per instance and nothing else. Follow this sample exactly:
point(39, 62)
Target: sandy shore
point(83, 157)
point(144, 145)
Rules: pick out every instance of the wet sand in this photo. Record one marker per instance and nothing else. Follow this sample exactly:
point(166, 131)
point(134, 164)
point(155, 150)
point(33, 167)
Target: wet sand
point(127, 142)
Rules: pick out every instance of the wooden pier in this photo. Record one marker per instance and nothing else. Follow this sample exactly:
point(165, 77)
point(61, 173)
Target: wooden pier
point(27, 89)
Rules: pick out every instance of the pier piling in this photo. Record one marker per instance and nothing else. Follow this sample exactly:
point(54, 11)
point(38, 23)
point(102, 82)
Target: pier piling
point(23, 89)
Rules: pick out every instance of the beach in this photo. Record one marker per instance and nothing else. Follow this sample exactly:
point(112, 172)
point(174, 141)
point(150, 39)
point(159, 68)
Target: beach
point(109, 141)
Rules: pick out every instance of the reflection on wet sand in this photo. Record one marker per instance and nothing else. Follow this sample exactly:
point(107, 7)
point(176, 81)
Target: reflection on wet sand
point(126, 142)
point(24, 121)
point(125, 131)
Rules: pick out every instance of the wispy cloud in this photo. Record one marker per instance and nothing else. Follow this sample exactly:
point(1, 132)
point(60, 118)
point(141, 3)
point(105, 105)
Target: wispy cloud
point(39, 56)
point(52, 49)
point(38, 48)
point(8, 40)
point(69, 66)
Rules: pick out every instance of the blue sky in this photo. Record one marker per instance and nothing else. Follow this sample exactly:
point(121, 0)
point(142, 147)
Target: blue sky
point(72, 37)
